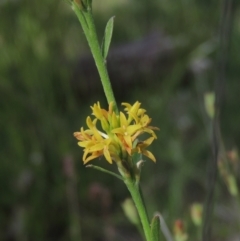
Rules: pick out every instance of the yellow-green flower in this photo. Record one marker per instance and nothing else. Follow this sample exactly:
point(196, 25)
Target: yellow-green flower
point(125, 132)
point(141, 148)
point(95, 143)
point(118, 139)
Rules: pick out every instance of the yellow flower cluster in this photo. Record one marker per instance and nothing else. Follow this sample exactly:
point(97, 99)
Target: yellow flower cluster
point(118, 138)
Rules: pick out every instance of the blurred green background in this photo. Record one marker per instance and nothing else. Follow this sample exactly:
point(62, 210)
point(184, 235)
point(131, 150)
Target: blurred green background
point(45, 191)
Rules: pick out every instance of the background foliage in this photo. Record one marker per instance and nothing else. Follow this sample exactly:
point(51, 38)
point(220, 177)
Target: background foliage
point(45, 191)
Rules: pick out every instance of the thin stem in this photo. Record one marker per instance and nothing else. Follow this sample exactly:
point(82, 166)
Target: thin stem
point(87, 22)
point(106, 171)
point(138, 200)
point(86, 19)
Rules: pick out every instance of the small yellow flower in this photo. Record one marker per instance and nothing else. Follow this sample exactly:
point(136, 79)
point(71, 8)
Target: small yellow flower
point(141, 148)
point(125, 132)
point(119, 133)
point(134, 111)
point(96, 143)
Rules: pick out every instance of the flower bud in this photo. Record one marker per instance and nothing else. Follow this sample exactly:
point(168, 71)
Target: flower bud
point(196, 213)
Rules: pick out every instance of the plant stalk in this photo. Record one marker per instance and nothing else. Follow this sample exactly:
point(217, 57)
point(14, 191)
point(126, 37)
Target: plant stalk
point(86, 20)
point(138, 200)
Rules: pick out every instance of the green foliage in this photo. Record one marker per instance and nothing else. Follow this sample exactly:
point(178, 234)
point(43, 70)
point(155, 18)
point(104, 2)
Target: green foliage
point(107, 37)
point(155, 228)
point(39, 44)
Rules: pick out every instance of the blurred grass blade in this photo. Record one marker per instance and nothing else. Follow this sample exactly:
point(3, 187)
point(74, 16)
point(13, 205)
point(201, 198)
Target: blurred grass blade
point(165, 234)
point(107, 37)
point(209, 101)
point(232, 185)
point(155, 228)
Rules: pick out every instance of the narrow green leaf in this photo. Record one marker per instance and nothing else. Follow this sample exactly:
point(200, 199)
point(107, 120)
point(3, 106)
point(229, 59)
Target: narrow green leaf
point(107, 37)
point(155, 228)
point(104, 170)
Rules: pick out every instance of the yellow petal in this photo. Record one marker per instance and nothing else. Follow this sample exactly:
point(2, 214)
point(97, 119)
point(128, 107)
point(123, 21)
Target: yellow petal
point(107, 155)
point(128, 140)
point(93, 128)
point(149, 155)
point(118, 131)
point(110, 108)
point(135, 107)
point(91, 157)
point(141, 112)
point(78, 136)
point(86, 144)
point(114, 120)
point(96, 147)
point(149, 141)
point(123, 120)
point(97, 110)
point(132, 129)
point(89, 123)
point(105, 124)
point(128, 106)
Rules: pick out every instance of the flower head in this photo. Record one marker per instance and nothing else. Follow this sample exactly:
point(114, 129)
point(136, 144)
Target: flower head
point(118, 139)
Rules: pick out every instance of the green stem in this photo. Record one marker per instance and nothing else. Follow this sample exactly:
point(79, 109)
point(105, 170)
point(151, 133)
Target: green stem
point(138, 200)
point(87, 22)
point(86, 19)
point(106, 171)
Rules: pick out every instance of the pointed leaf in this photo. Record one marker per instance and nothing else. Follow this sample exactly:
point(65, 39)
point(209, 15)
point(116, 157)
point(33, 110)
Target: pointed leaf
point(155, 228)
point(107, 37)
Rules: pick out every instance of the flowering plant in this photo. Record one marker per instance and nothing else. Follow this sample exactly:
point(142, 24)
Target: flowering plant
point(118, 136)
